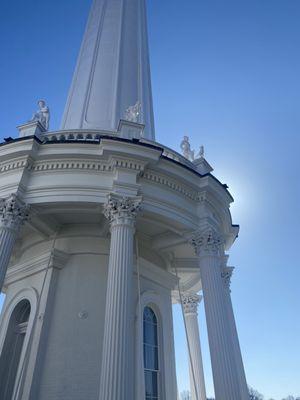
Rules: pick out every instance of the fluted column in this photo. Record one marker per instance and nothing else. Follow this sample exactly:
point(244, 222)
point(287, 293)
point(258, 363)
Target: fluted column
point(190, 304)
point(210, 250)
point(226, 275)
point(13, 213)
point(118, 331)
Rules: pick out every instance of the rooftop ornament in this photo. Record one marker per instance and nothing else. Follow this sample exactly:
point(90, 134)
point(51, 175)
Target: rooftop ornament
point(187, 152)
point(42, 115)
point(133, 112)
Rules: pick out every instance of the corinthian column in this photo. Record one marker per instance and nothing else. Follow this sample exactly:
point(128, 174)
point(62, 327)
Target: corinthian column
point(116, 371)
point(226, 275)
point(210, 250)
point(13, 213)
point(190, 304)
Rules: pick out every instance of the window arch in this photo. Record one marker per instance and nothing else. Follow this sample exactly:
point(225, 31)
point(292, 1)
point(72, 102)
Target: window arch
point(12, 348)
point(151, 354)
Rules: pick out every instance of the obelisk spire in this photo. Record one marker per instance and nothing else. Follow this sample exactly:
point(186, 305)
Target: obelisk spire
point(113, 70)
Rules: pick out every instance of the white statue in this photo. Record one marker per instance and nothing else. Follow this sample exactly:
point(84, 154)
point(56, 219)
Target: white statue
point(133, 112)
point(201, 152)
point(42, 114)
point(186, 149)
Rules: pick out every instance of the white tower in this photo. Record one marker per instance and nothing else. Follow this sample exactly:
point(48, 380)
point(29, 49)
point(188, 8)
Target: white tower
point(113, 71)
point(102, 230)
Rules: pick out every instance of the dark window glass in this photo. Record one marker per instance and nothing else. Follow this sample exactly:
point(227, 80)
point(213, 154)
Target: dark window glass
point(151, 364)
point(12, 349)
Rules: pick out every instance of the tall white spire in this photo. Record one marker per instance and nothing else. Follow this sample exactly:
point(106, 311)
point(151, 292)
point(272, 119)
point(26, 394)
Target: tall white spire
point(113, 70)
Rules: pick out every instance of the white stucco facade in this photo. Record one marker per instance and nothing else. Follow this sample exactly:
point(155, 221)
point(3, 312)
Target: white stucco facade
point(62, 252)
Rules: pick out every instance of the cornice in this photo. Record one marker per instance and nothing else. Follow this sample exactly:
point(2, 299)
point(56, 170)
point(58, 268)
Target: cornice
point(71, 164)
point(14, 164)
point(50, 259)
point(158, 178)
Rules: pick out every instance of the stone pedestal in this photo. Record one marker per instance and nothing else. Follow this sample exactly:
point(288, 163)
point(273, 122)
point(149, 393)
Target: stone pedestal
point(209, 248)
point(119, 328)
point(203, 167)
point(32, 128)
point(190, 306)
point(13, 213)
point(226, 275)
point(130, 130)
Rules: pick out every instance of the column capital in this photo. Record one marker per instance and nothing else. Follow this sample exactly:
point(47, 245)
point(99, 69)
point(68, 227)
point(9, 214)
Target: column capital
point(190, 302)
point(226, 276)
point(207, 242)
point(122, 209)
point(13, 212)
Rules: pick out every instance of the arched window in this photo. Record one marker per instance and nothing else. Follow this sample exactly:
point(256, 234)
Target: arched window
point(151, 355)
point(12, 348)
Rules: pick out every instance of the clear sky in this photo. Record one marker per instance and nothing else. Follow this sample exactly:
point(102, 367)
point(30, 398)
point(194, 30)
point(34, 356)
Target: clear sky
point(226, 73)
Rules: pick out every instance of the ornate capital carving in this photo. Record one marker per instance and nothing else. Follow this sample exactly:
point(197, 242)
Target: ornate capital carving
point(207, 242)
point(118, 208)
point(13, 212)
point(190, 303)
point(226, 276)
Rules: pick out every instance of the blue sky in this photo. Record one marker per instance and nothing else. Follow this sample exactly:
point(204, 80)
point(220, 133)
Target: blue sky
point(227, 75)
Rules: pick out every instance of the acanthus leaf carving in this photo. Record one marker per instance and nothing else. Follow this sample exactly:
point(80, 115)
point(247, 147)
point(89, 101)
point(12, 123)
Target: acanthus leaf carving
point(207, 242)
point(13, 212)
point(190, 303)
point(226, 276)
point(122, 207)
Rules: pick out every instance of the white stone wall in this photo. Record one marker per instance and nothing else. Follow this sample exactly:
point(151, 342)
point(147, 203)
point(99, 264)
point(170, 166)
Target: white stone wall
point(68, 334)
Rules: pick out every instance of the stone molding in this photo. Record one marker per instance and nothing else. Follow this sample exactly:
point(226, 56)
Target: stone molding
point(190, 303)
point(13, 165)
point(207, 242)
point(121, 209)
point(51, 259)
point(13, 212)
point(171, 184)
point(90, 165)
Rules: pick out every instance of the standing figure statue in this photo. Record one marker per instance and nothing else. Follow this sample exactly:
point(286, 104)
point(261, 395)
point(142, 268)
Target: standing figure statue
point(186, 149)
point(133, 112)
point(42, 114)
point(201, 152)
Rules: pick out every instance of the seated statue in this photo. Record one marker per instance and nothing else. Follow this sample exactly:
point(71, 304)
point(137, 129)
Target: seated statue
point(42, 114)
point(132, 113)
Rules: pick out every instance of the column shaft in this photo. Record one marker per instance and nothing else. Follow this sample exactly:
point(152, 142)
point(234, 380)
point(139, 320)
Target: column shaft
point(225, 373)
point(7, 240)
point(116, 382)
point(234, 336)
point(197, 381)
point(115, 364)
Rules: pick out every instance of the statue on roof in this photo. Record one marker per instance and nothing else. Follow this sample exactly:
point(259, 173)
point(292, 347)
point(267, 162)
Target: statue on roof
point(133, 112)
point(201, 152)
point(186, 149)
point(42, 114)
